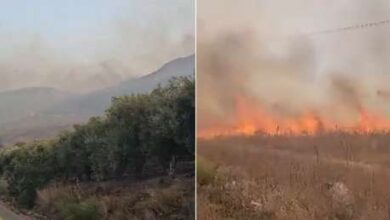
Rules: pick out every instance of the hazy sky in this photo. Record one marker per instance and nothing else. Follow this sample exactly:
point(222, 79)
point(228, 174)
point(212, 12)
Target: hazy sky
point(88, 44)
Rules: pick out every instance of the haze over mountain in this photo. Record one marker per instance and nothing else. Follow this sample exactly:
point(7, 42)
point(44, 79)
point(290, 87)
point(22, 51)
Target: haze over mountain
point(16, 104)
point(96, 102)
point(39, 112)
point(82, 46)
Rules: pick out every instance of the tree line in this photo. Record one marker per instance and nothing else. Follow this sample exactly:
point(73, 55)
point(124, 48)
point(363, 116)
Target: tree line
point(156, 128)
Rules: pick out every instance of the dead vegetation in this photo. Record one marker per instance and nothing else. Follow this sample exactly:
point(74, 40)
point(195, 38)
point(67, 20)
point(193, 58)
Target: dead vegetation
point(331, 176)
point(159, 198)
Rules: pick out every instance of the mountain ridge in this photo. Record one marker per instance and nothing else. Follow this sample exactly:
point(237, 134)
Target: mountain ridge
point(96, 102)
point(44, 111)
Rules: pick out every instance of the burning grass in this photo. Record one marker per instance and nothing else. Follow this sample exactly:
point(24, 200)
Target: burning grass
point(328, 176)
point(251, 117)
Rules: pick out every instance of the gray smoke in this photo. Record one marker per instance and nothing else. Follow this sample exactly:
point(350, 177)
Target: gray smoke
point(265, 50)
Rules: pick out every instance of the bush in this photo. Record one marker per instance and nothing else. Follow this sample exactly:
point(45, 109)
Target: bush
point(28, 168)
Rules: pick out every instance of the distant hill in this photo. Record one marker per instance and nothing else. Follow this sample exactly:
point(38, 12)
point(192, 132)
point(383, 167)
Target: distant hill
point(32, 113)
point(97, 102)
point(28, 102)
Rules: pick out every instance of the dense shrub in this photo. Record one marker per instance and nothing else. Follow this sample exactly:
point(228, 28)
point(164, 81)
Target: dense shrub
point(27, 168)
point(136, 129)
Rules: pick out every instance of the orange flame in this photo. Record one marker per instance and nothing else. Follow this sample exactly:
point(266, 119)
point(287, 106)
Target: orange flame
point(252, 118)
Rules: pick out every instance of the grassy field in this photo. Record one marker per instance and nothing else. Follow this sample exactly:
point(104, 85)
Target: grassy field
point(329, 176)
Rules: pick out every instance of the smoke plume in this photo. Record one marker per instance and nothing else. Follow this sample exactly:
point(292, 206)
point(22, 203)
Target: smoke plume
point(261, 66)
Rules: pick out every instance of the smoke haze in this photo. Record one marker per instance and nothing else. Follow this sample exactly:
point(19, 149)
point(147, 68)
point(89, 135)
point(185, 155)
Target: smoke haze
point(79, 53)
point(266, 52)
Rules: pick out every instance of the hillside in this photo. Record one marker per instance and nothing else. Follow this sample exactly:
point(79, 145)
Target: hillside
point(96, 102)
point(32, 113)
point(28, 102)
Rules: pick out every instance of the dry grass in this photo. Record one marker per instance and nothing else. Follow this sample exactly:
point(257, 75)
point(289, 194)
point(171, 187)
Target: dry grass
point(206, 171)
point(334, 176)
point(159, 198)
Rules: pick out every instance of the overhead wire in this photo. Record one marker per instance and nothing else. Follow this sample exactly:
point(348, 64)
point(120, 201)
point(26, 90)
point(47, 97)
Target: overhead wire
point(351, 28)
